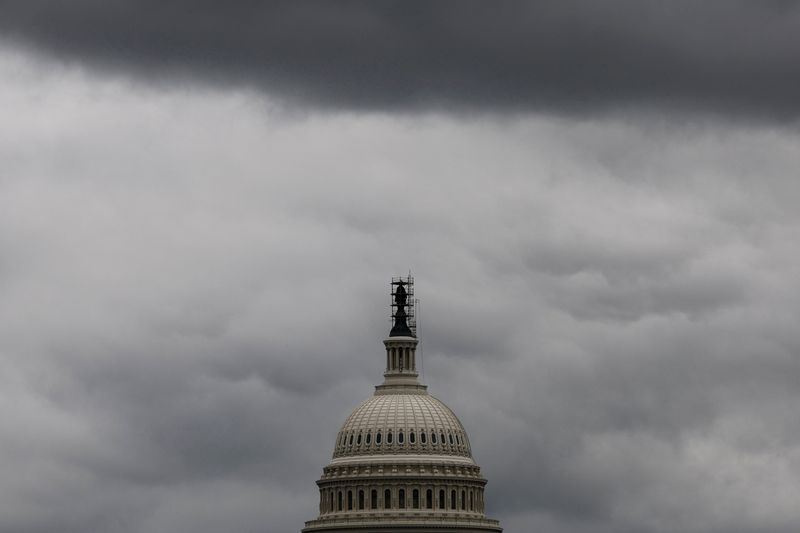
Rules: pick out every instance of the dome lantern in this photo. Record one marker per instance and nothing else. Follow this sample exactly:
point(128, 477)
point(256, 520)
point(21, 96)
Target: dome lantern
point(401, 346)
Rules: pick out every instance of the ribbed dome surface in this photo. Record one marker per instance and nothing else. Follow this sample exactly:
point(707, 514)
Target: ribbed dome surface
point(402, 423)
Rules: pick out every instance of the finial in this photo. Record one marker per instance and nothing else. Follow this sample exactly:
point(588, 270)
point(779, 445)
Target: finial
point(402, 311)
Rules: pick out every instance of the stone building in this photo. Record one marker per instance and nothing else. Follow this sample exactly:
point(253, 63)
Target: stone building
point(402, 461)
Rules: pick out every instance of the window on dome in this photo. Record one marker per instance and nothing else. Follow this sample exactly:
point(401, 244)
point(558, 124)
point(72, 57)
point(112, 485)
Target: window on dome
point(401, 499)
point(373, 499)
point(441, 499)
point(451, 439)
point(433, 438)
point(358, 440)
point(429, 499)
point(387, 499)
point(415, 499)
point(369, 439)
point(412, 438)
point(351, 439)
point(453, 499)
point(441, 437)
point(378, 439)
point(463, 500)
point(389, 438)
point(361, 500)
point(340, 500)
point(349, 500)
point(400, 438)
point(422, 438)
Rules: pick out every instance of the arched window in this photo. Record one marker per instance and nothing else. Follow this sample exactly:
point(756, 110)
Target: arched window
point(340, 500)
point(433, 438)
point(387, 499)
point(358, 439)
point(441, 499)
point(415, 499)
point(412, 438)
point(361, 499)
point(401, 499)
point(422, 438)
point(400, 438)
point(351, 439)
point(349, 500)
point(429, 499)
point(453, 499)
point(441, 436)
point(378, 439)
point(451, 439)
point(369, 439)
point(389, 438)
point(463, 500)
point(341, 439)
point(373, 499)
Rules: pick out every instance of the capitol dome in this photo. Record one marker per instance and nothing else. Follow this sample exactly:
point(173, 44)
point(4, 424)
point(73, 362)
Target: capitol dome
point(401, 423)
point(402, 461)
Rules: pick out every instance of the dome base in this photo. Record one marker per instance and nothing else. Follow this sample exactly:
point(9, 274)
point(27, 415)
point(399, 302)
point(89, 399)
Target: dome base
point(400, 523)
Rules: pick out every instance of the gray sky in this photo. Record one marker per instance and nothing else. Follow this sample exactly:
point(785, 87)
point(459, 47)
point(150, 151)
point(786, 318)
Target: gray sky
point(201, 207)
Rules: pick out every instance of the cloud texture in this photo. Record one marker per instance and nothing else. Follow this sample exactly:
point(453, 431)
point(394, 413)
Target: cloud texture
point(201, 206)
point(727, 57)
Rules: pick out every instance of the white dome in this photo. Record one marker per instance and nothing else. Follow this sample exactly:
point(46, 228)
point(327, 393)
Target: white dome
point(402, 460)
point(402, 423)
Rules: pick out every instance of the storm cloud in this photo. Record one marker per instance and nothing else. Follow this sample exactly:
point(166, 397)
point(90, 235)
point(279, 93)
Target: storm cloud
point(201, 208)
point(733, 58)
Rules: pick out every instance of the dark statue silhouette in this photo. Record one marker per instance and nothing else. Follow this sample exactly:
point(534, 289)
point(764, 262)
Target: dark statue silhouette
point(400, 327)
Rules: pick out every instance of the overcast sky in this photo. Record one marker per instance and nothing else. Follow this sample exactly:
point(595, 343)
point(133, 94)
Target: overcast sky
point(202, 203)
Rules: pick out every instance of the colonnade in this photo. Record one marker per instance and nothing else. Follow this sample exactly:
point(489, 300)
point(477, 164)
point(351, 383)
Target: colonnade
point(400, 497)
point(401, 358)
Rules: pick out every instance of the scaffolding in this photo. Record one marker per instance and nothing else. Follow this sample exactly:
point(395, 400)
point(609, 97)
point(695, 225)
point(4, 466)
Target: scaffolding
point(402, 302)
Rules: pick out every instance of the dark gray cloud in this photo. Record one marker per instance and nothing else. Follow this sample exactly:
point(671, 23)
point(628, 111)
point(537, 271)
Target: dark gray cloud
point(735, 57)
point(194, 298)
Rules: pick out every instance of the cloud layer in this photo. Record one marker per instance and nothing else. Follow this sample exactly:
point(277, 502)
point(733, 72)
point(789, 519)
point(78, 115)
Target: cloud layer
point(194, 295)
point(728, 57)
